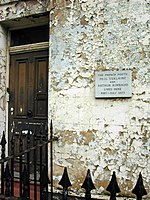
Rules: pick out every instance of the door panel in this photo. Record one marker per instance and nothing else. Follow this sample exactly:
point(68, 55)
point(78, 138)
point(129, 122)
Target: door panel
point(21, 88)
point(41, 88)
point(28, 106)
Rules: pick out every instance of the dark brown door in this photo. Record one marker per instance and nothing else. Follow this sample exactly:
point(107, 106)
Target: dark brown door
point(28, 105)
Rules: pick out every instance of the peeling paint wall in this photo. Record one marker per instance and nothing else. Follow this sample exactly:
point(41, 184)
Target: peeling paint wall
point(104, 135)
point(17, 9)
point(2, 78)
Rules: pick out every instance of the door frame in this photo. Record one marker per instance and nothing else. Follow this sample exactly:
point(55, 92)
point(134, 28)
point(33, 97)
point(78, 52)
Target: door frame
point(28, 21)
point(28, 48)
point(18, 50)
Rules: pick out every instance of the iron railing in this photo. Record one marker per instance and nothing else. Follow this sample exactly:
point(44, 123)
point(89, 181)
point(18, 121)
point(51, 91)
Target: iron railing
point(112, 188)
point(30, 171)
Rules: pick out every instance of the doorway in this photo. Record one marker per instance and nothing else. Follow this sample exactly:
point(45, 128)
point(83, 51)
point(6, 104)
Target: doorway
point(28, 90)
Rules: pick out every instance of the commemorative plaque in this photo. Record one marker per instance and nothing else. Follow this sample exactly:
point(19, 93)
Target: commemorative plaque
point(111, 84)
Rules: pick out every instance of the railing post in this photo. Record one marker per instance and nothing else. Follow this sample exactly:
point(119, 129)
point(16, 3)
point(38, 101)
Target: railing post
point(113, 187)
point(35, 167)
point(3, 143)
point(65, 183)
point(12, 165)
point(25, 177)
point(139, 189)
point(46, 159)
point(51, 156)
point(28, 163)
point(45, 181)
point(41, 161)
point(7, 181)
point(20, 161)
point(88, 185)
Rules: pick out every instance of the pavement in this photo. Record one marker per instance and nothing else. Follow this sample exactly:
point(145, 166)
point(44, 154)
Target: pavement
point(55, 197)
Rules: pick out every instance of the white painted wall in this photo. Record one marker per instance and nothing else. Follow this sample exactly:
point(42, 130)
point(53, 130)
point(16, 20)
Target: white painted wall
point(104, 135)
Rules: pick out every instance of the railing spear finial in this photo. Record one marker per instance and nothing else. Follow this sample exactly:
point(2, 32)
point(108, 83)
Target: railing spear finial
point(3, 143)
point(65, 183)
point(51, 130)
point(88, 185)
point(113, 187)
point(139, 189)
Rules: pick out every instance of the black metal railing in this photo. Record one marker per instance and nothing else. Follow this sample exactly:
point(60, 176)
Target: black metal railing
point(35, 171)
point(112, 188)
point(25, 169)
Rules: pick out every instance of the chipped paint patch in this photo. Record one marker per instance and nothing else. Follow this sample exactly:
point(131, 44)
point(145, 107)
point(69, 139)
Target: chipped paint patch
point(19, 9)
point(2, 79)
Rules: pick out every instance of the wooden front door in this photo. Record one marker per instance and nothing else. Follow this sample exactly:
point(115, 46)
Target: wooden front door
point(28, 105)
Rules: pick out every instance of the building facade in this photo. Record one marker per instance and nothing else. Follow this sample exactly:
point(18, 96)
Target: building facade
point(84, 37)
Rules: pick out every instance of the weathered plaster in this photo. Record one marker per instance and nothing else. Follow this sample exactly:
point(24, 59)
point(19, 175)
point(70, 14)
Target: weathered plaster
point(103, 135)
point(18, 9)
point(2, 78)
